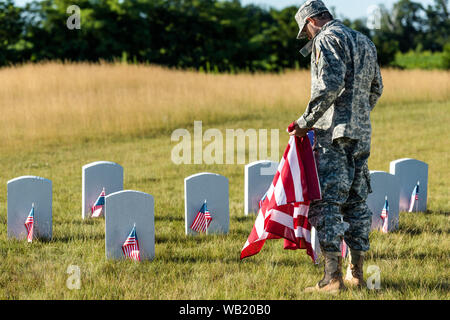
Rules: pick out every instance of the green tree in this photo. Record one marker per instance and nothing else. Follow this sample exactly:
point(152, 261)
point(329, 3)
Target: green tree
point(212, 35)
point(436, 26)
point(11, 26)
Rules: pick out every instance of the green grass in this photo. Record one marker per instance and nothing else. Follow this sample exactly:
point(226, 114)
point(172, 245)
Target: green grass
point(414, 261)
point(425, 60)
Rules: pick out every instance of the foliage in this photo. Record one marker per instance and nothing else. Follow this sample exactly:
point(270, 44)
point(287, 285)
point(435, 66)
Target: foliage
point(11, 25)
point(420, 60)
point(209, 35)
point(446, 57)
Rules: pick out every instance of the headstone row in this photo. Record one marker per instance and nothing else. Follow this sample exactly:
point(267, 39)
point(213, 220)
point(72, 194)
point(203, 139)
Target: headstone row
point(129, 222)
point(404, 188)
point(393, 192)
point(129, 214)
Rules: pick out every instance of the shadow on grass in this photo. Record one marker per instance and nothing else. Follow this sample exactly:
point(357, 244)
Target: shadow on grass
point(241, 233)
point(84, 222)
point(250, 217)
point(413, 285)
point(416, 231)
point(407, 255)
point(168, 217)
point(444, 213)
point(297, 263)
point(66, 238)
point(140, 180)
point(188, 240)
point(199, 259)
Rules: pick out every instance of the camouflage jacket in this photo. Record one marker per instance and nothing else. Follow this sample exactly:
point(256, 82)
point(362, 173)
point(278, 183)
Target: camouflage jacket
point(345, 83)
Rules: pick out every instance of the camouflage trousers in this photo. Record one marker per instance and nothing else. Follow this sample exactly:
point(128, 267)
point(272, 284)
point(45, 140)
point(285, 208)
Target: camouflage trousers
point(345, 184)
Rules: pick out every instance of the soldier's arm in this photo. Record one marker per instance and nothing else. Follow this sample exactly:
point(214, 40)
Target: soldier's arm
point(377, 88)
point(330, 81)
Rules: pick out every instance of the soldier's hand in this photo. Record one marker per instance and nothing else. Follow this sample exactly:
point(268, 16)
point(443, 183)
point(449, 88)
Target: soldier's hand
point(299, 132)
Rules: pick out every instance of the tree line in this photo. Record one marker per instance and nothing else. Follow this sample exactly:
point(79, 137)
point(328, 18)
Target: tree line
point(209, 35)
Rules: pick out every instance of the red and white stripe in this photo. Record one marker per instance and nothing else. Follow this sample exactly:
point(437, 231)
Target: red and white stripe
point(97, 210)
point(201, 221)
point(344, 249)
point(29, 225)
point(384, 219)
point(284, 212)
point(131, 249)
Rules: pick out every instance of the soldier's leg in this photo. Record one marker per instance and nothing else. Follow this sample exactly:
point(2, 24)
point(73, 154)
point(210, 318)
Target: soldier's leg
point(336, 173)
point(359, 217)
point(336, 170)
point(355, 210)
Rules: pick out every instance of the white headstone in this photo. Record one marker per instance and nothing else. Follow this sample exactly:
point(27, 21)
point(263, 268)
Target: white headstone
point(409, 172)
point(384, 184)
point(258, 177)
point(123, 210)
point(214, 189)
point(95, 177)
point(22, 193)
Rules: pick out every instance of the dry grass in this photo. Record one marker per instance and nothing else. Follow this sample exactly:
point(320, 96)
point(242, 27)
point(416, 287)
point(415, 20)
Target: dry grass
point(51, 102)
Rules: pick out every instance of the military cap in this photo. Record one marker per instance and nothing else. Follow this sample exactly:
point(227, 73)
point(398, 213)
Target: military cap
point(309, 9)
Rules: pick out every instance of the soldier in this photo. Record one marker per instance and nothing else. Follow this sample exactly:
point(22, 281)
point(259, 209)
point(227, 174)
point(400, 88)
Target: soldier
point(345, 86)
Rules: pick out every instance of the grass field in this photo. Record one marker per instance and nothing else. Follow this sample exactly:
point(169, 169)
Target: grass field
point(55, 118)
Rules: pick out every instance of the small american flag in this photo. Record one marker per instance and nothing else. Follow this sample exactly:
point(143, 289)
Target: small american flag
point(97, 208)
point(385, 216)
point(344, 249)
point(414, 197)
point(202, 220)
point(29, 224)
point(130, 247)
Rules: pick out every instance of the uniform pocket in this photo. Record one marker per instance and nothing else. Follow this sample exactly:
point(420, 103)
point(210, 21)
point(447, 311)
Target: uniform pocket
point(367, 176)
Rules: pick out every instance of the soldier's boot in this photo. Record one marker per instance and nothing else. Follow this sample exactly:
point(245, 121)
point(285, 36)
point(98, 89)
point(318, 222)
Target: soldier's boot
point(332, 281)
point(354, 277)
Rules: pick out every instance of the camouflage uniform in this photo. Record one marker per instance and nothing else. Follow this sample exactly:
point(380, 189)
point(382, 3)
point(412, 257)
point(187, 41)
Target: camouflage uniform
point(346, 85)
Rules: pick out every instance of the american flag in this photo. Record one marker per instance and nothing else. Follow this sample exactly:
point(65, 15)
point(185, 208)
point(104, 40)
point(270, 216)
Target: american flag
point(29, 224)
point(284, 211)
point(344, 249)
point(202, 219)
point(130, 247)
point(385, 216)
point(97, 208)
point(414, 197)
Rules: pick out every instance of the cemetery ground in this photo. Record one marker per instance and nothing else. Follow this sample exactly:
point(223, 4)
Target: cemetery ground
point(57, 118)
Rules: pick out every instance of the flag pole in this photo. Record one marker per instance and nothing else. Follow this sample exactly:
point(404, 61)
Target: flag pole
point(206, 220)
point(417, 195)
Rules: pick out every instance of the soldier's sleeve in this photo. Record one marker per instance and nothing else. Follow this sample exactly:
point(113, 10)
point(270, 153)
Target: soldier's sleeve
point(377, 87)
point(331, 69)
